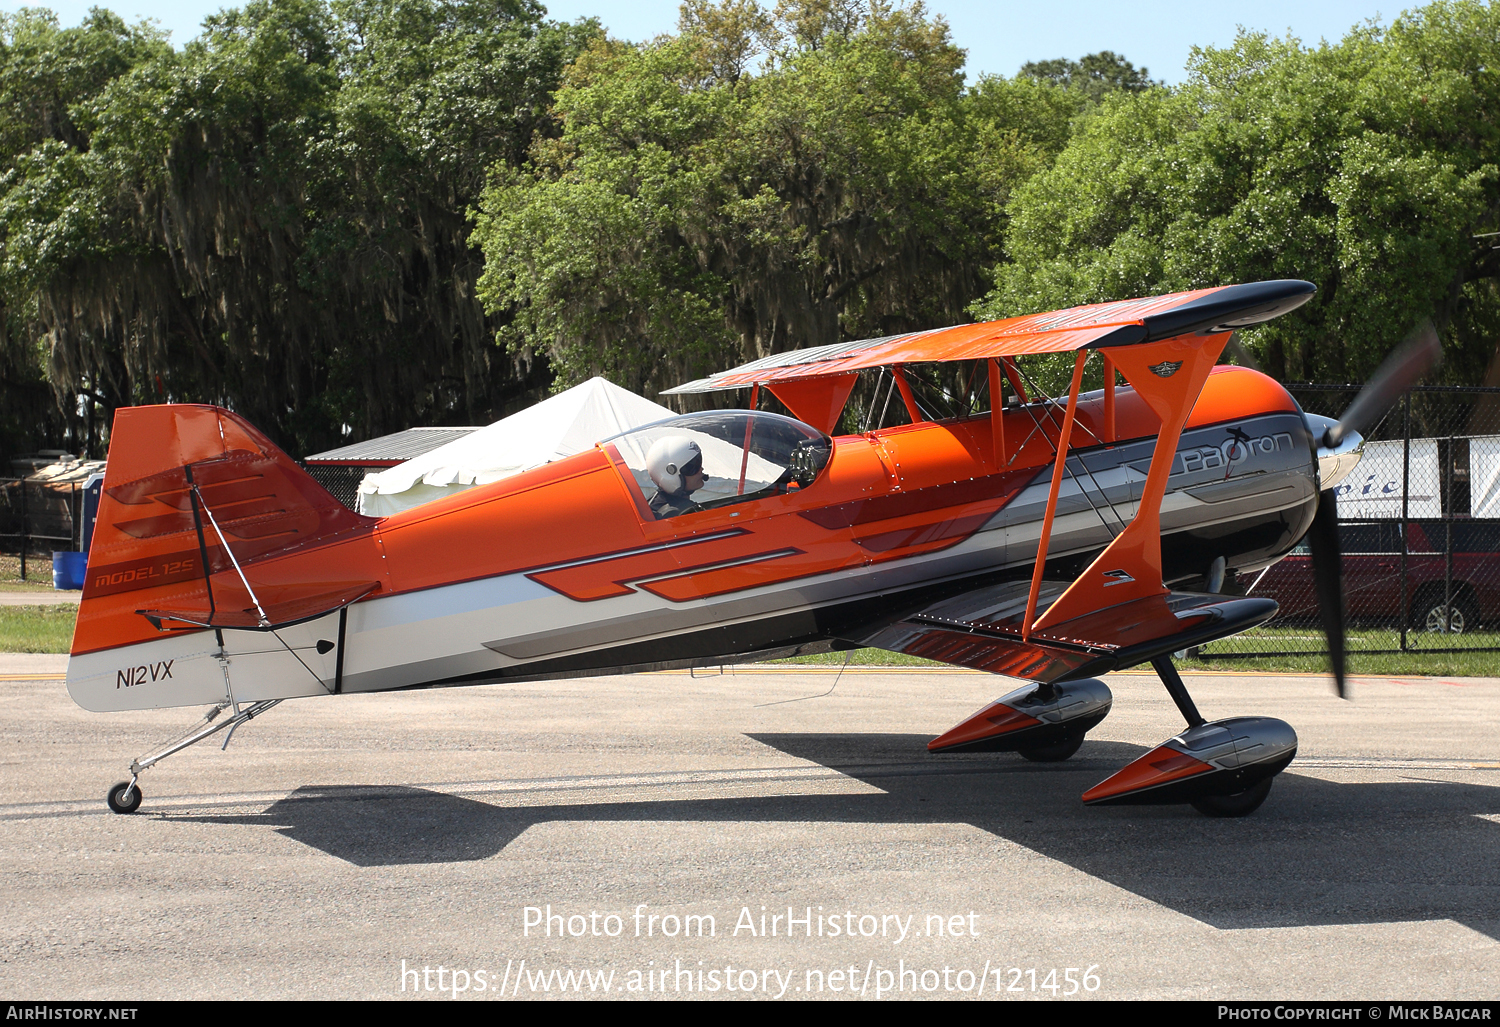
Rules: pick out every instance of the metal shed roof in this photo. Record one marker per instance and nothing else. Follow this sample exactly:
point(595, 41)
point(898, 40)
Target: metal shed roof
point(389, 450)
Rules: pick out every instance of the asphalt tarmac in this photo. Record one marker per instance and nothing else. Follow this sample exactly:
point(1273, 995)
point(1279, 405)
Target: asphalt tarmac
point(337, 838)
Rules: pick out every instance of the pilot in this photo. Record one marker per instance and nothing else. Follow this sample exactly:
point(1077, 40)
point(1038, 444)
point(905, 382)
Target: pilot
point(675, 464)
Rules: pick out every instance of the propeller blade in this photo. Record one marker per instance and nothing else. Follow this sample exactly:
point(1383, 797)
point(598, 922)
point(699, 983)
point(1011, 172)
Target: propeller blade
point(1327, 565)
point(1420, 353)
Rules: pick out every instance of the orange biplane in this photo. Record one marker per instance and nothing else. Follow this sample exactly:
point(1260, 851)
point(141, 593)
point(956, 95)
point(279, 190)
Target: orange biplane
point(1025, 540)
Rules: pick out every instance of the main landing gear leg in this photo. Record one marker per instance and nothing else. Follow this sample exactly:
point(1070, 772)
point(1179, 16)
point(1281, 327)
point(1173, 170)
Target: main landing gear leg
point(1177, 690)
point(1223, 768)
point(126, 796)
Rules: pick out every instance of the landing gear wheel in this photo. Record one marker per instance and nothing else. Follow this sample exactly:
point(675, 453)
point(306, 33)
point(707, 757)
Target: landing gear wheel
point(1056, 752)
point(119, 803)
point(1240, 804)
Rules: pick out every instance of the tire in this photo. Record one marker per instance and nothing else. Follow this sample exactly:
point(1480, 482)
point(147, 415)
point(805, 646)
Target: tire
point(1056, 752)
point(1430, 614)
point(1240, 804)
point(118, 806)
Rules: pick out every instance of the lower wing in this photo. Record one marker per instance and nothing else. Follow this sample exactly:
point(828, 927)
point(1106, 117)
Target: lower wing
point(982, 630)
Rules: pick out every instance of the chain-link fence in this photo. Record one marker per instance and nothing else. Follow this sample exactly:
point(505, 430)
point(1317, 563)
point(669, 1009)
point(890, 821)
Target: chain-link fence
point(1419, 526)
point(36, 518)
point(341, 482)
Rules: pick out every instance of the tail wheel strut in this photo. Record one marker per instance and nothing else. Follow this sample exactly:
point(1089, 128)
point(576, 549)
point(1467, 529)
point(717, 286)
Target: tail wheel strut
point(125, 797)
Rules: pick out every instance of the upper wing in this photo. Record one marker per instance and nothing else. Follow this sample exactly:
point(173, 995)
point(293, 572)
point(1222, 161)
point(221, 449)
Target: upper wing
point(1117, 612)
point(1095, 326)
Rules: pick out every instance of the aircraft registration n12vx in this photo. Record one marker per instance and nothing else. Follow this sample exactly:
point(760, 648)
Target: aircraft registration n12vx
point(1026, 541)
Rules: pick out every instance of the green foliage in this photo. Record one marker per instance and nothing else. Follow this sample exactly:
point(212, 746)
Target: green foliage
point(46, 71)
point(1367, 168)
point(324, 213)
point(275, 218)
point(49, 206)
point(697, 211)
point(1095, 75)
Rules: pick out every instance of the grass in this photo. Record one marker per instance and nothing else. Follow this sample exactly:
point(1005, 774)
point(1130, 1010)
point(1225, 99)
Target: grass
point(860, 658)
point(1427, 654)
point(36, 629)
point(1309, 636)
point(38, 573)
point(28, 586)
point(1451, 663)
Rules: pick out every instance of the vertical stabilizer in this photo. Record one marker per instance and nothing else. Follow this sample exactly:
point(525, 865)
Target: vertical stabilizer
point(181, 483)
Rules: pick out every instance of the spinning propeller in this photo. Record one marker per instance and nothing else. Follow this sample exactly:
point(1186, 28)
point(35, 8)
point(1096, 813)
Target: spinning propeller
point(1409, 362)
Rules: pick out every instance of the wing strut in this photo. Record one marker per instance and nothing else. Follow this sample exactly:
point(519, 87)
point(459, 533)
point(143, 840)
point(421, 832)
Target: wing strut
point(1169, 376)
point(1057, 475)
point(745, 446)
point(997, 414)
point(1109, 398)
point(1014, 376)
point(912, 410)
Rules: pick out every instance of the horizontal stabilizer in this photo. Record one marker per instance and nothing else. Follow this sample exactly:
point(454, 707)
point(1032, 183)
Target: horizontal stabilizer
point(982, 630)
point(283, 606)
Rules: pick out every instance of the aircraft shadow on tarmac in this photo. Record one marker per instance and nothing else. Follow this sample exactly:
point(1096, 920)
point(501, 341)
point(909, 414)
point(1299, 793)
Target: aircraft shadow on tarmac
point(1316, 852)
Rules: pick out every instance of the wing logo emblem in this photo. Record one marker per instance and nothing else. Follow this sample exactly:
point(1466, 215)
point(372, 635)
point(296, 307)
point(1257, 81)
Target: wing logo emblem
point(1166, 369)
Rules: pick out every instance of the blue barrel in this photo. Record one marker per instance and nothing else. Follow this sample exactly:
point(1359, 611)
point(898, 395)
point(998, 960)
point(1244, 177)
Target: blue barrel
point(68, 569)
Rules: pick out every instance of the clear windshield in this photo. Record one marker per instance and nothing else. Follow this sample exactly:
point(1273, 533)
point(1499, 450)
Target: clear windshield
point(746, 454)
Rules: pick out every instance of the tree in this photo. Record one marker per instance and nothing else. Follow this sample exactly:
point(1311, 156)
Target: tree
point(1369, 168)
point(697, 211)
point(274, 218)
point(46, 73)
point(1095, 75)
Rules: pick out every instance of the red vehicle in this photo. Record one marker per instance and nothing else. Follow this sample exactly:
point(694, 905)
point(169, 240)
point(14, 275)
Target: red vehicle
point(1440, 595)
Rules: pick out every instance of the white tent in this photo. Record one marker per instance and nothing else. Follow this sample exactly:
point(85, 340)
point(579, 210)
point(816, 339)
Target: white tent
point(568, 423)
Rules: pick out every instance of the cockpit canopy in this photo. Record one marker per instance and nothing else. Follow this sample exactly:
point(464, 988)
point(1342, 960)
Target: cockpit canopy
point(746, 454)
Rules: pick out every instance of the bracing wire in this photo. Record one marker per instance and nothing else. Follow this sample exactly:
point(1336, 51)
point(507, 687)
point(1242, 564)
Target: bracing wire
point(265, 622)
point(1051, 415)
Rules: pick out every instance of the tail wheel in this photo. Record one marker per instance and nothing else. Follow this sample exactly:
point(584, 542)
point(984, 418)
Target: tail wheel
point(123, 798)
point(1430, 613)
point(1240, 804)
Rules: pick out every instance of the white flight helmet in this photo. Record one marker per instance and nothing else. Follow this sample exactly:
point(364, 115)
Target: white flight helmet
point(672, 459)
